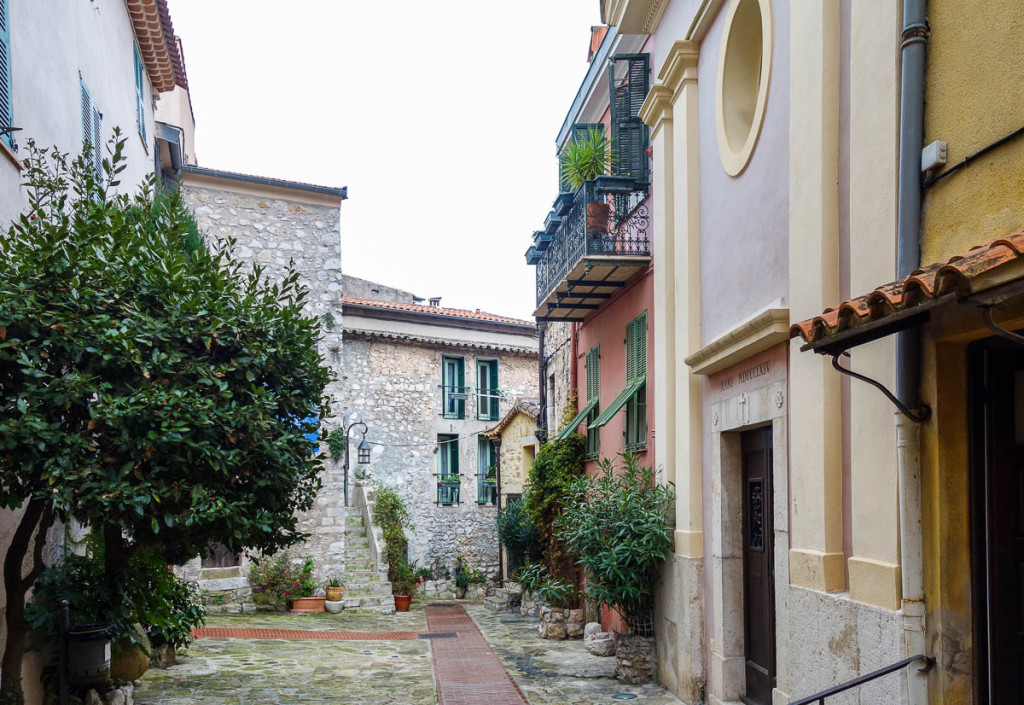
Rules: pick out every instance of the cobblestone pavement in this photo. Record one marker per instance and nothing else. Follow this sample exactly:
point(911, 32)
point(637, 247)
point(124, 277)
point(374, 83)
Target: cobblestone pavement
point(250, 672)
point(254, 672)
point(557, 672)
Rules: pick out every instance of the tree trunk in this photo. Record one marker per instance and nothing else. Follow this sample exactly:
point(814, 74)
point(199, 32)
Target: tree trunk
point(115, 561)
point(35, 521)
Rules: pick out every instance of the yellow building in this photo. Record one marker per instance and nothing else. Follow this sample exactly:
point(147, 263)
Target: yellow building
point(516, 439)
point(961, 306)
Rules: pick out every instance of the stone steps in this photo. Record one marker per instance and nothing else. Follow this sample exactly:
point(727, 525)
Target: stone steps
point(504, 599)
point(366, 587)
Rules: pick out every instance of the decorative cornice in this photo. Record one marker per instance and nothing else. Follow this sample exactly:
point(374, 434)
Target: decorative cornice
point(680, 65)
point(764, 330)
point(657, 107)
point(633, 16)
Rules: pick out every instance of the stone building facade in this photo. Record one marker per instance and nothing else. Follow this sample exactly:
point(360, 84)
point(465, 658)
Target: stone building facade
point(394, 359)
point(276, 225)
point(556, 368)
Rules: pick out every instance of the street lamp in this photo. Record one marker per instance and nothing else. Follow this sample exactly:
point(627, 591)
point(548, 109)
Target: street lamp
point(363, 451)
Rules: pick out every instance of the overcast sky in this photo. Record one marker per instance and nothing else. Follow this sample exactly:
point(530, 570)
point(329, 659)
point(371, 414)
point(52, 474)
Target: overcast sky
point(440, 117)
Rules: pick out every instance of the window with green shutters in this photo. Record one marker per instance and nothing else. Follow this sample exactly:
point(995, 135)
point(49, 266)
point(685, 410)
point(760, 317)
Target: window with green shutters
point(140, 76)
point(6, 101)
point(629, 81)
point(593, 366)
point(448, 480)
point(453, 387)
point(91, 133)
point(636, 375)
point(486, 472)
point(488, 393)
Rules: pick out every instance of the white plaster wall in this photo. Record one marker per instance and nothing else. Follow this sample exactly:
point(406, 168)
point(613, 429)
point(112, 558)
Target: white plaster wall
point(52, 42)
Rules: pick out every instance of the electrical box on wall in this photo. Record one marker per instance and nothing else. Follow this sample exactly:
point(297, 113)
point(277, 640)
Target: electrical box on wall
point(933, 156)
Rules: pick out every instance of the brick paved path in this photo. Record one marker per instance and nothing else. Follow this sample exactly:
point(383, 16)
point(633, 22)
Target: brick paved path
point(245, 633)
point(465, 669)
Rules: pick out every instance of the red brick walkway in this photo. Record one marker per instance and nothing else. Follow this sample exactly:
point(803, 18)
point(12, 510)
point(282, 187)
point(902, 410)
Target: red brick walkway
point(466, 671)
point(240, 633)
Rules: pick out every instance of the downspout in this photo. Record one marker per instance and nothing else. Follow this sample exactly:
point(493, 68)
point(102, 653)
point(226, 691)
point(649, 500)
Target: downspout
point(908, 343)
point(496, 444)
point(542, 387)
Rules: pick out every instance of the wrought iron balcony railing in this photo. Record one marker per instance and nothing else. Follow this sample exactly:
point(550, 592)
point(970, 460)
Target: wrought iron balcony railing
point(606, 221)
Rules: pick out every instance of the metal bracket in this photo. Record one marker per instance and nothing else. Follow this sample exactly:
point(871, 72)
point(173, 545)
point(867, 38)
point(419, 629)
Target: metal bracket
point(991, 324)
point(923, 412)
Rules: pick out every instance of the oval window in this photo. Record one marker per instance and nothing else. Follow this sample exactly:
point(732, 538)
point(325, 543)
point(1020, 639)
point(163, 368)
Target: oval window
point(744, 68)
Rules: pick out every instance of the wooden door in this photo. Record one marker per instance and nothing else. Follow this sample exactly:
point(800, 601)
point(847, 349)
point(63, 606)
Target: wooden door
point(758, 566)
point(1002, 409)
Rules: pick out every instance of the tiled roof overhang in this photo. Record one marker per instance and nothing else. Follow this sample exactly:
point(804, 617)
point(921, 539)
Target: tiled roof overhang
point(157, 44)
point(986, 274)
point(527, 407)
point(446, 343)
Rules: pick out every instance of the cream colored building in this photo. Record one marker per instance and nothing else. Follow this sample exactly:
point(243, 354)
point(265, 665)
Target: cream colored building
point(775, 140)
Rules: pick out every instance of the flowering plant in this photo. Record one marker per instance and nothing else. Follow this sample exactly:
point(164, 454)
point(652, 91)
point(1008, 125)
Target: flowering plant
point(276, 579)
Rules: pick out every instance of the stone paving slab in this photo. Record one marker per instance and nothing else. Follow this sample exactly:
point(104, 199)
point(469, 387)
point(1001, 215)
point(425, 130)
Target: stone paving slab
point(557, 672)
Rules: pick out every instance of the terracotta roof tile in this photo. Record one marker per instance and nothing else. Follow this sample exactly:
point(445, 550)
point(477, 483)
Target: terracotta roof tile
point(529, 407)
point(920, 286)
point(437, 311)
point(158, 46)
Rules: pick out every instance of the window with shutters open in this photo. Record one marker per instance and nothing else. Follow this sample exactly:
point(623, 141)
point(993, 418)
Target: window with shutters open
point(453, 387)
point(488, 393)
point(636, 373)
point(448, 481)
point(140, 103)
point(91, 132)
point(6, 103)
point(486, 472)
point(593, 366)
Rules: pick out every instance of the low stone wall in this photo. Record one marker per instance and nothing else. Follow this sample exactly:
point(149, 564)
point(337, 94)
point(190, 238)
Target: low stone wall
point(445, 590)
point(530, 606)
point(365, 501)
point(222, 589)
point(559, 623)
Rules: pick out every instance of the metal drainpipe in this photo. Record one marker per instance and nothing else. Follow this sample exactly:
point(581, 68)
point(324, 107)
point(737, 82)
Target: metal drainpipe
point(542, 389)
point(908, 347)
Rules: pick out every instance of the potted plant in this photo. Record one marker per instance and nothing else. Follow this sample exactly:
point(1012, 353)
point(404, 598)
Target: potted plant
point(403, 585)
point(490, 483)
point(335, 588)
point(303, 599)
point(583, 160)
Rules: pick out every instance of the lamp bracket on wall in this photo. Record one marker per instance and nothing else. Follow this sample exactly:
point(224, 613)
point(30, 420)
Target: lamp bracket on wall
point(920, 415)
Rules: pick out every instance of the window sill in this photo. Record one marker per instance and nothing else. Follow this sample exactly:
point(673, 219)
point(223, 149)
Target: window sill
point(11, 156)
point(638, 448)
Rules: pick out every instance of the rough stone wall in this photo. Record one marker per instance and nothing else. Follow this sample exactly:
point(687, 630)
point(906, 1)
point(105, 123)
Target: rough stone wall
point(514, 471)
point(395, 388)
point(365, 289)
point(271, 232)
point(558, 352)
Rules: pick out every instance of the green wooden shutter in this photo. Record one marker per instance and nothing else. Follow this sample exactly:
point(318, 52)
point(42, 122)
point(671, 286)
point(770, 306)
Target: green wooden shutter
point(494, 390)
point(593, 373)
point(87, 112)
point(140, 110)
point(640, 349)
point(453, 455)
point(91, 119)
point(460, 404)
point(630, 351)
point(629, 82)
point(6, 104)
point(590, 374)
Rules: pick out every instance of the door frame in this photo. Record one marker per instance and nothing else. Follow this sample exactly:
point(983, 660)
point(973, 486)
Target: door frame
point(760, 407)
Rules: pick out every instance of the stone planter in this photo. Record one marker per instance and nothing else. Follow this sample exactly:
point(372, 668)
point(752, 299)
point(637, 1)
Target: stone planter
point(598, 642)
point(634, 659)
point(529, 606)
point(445, 590)
point(334, 606)
point(559, 623)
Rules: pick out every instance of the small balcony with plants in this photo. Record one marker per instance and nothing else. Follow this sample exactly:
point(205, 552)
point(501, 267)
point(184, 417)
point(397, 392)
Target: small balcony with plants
point(597, 236)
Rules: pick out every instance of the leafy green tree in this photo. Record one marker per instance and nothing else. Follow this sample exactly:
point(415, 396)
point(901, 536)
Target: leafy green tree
point(616, 524)
point(150, 386)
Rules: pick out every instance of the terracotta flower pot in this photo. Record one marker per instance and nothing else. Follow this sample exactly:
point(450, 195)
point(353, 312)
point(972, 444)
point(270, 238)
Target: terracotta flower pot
point(308, 604)
point(335, 592)
point(402, 602)
point(597, 218)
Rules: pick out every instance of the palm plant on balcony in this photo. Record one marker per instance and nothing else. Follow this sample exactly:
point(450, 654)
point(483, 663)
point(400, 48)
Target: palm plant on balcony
point(583, 160)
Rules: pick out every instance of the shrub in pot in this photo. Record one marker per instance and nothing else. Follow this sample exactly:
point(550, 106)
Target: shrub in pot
point(403, 586)
point(584, 159)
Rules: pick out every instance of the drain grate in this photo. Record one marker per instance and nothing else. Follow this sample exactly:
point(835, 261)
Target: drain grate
point(624, 696)
point(438, 635)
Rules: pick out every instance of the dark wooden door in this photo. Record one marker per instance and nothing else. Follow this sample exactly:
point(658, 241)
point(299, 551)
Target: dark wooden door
point(758, 566)
point(1003, 409)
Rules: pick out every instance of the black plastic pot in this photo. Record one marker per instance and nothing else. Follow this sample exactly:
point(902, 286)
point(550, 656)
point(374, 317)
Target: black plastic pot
point(89, 654)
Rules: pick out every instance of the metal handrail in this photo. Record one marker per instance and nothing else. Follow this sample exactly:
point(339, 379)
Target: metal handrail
point(835, 690)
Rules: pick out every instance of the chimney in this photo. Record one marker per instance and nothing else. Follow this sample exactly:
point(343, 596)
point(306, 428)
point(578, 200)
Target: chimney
point(435, 301)
point(597, 33)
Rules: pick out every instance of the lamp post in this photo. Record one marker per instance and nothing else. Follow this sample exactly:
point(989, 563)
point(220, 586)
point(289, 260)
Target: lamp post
point(363, 451)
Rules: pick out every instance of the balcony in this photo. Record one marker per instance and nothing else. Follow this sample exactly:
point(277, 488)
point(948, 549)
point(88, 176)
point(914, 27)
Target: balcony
point(600, 242)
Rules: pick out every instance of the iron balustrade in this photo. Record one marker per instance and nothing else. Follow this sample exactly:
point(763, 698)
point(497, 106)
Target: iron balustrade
point(448, 489)
point(607, 217)
point(819, 698)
